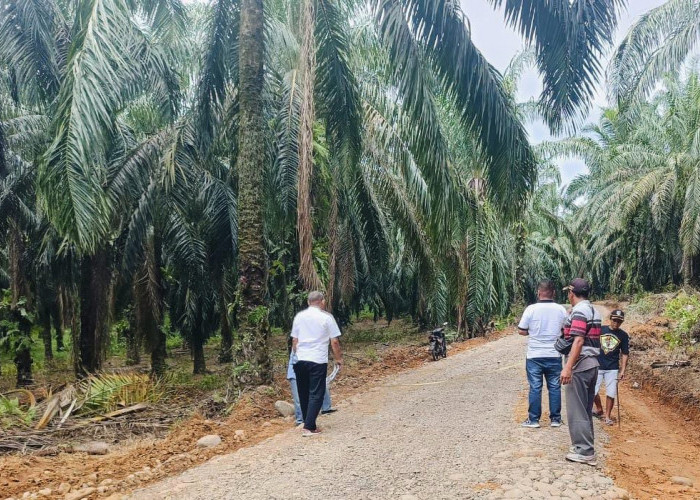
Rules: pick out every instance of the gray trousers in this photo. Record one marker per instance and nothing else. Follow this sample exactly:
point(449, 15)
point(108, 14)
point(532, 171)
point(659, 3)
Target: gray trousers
point(579, 410)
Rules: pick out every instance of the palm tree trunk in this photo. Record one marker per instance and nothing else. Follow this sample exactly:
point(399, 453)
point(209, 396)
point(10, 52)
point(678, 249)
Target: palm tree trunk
point(94, 296)
point(158, 341)
point(133, 347)
point(519, 281)
point(307, 270)
point(148, 293)
point(23, 354)
point(226, 351)
point(133, 344)
point(200, 366)
point(46, 331)
point(55, 313)
point(252, 265)
point(158, 354)
point(687, 268)
point(333, 239)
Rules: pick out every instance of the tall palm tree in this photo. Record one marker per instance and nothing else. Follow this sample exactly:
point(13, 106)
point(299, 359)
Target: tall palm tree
point(639, 200)
point(160, 195)
point(658, 43)
point(252, 262)
point(78, 65)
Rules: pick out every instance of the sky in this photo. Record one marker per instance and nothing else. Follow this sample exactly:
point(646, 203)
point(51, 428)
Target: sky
point(499, 44)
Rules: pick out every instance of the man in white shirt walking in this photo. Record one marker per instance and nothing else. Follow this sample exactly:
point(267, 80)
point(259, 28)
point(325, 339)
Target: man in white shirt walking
point(313, 329)
point(542, 323)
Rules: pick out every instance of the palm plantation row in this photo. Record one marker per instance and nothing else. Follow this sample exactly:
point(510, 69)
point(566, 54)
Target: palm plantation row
point(204, 165)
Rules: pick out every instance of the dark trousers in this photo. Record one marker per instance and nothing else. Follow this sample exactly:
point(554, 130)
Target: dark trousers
point(311, 383)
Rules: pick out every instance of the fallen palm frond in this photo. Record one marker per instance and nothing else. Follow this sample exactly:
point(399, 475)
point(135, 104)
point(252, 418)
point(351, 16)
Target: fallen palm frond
point(119, 413)
point(55, 404)
point(100, 395)
point(105, 393)
point(670, 364)
point(108, 400)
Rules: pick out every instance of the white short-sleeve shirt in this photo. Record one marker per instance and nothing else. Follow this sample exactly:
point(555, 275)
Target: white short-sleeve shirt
point(543, 322)
point(314, 329)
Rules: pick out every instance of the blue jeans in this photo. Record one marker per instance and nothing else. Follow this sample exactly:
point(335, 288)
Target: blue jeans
point(297, 405)
point(550, 369)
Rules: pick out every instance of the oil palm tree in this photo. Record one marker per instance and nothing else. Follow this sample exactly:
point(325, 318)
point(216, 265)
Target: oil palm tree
point(642, 184)
point(78, 65)
point(142, 168)
point(658, 43)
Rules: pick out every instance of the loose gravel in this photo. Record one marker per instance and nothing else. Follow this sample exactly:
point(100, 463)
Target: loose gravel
point(445, 430)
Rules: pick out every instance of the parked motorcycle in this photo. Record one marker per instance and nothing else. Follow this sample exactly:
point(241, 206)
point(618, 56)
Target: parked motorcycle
point(438, 344)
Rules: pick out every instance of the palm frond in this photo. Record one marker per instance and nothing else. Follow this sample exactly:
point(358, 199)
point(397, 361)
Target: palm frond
point(569, 37)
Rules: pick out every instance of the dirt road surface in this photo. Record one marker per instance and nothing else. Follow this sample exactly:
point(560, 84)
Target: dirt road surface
point(445, 430)
point(654, 442)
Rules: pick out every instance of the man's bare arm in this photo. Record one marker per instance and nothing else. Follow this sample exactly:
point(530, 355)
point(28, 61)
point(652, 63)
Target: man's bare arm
point(571, 359)
point(623, 366)
point(295, 342)
point(337, 353)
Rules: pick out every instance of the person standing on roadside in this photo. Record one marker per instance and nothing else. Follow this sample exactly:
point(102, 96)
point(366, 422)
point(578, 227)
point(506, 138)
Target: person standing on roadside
point(580, 372)
point(613, 342)
point(312, 330)
point(542, 323)
point(292, 377)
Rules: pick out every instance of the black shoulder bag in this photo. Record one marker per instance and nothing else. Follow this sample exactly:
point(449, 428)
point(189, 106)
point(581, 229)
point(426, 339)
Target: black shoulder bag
point(563, 345)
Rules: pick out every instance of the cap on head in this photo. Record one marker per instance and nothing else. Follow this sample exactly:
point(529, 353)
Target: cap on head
point(618, 314)
point(579, 286)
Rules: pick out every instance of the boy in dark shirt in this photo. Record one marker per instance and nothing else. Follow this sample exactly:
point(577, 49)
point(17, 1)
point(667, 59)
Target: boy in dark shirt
point(613, 341)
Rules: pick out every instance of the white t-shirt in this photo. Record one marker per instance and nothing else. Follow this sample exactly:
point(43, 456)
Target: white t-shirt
point(314, 329)
point(543, 321)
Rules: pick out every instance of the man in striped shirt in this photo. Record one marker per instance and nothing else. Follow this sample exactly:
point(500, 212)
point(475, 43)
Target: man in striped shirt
point(581, 371)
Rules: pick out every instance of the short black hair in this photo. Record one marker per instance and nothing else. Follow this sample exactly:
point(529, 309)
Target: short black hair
point(546, 286)
point(581, 294)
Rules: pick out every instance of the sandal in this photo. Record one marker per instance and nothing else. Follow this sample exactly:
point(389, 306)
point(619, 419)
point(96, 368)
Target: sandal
point(609, 421)
point(597, 414)
point(308, 433)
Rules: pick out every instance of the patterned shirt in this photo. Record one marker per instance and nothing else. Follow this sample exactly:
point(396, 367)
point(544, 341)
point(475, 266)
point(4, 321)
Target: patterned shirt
point(584, 321)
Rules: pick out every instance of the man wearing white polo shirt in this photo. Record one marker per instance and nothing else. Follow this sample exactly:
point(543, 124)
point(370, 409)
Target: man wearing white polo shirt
point(313, 329)
point(542, 323)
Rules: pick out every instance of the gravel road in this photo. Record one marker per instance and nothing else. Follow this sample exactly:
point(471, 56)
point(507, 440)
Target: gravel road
point(445, 430)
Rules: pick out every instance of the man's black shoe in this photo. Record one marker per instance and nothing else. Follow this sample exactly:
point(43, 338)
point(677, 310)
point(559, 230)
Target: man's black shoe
point(326, 412)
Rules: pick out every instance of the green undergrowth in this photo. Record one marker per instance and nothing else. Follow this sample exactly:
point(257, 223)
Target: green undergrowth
point(61, 359)
point(380, 332)
point(646, 305)
point(684, 310)
point(12, 414)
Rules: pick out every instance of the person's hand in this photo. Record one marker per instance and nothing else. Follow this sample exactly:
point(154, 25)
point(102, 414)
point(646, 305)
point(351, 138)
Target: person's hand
point(565, 376)
point(620, 375)
point(339, 364)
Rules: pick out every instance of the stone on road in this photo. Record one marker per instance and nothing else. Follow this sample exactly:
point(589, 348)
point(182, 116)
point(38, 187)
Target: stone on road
point(209, 441)
point(445, 430)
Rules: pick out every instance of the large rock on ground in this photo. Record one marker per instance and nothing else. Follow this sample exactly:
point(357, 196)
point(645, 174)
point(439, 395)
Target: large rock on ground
point(93, 448)
point(286, 409)
point(684, 481)
point(209, 441)
point(80, 494)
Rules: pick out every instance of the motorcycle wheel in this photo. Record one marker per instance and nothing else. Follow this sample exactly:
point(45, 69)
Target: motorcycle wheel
point(444, 351)
point(435, 353)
